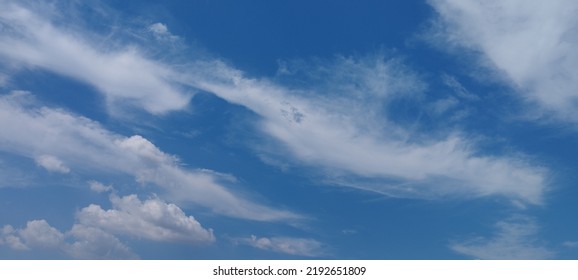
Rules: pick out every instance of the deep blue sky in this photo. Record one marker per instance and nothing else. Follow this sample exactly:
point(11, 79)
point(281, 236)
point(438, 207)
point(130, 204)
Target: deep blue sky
point(439, 129)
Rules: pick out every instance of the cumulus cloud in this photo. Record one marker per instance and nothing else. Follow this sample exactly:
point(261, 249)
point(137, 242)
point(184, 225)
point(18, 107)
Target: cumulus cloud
point(87, 243)
point(94, 235)
point(94, 243)
point(286, 245)
point(150, 219)
point(533, 43)
point(347, 126)
point(52, 163)
point(8, 238)
point(94, 151)
point(124, 76)
point(515, 239)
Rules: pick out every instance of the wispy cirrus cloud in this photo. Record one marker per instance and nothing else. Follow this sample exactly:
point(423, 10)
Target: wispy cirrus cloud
point(349, 126)
point(93, 151)
point(515, 238)
point(533, 44)
point(124, 75)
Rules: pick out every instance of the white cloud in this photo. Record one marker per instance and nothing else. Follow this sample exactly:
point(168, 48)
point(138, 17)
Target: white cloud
point(94, 235)
point(150, 219)
point(125, 76)
point(345, 127)
point(8, 237)
point(159, 28)
point(515, 239)
point(532, 42)
point(161, 32)
point(99, 187)
point(87, 243)
point(286, 245)
point(94, 243)
point(40, 234)
point(52, 163)
point(94, 151)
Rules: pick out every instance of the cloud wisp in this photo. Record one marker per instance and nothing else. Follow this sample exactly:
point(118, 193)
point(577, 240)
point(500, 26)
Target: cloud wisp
point(515, 239)
point(287, 245)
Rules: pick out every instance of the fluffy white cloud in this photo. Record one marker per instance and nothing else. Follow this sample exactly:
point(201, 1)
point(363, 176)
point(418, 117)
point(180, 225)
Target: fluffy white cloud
point(515, 239)
point(344, 127)
point(39, 233)
point(94, 243)
point(87, 243)
point(94, 236)
point(8, 237)
point(125, 76)
point(532, 42)
point(286, 245)
point(150, 219)
point(94, 151)
point(52, 163)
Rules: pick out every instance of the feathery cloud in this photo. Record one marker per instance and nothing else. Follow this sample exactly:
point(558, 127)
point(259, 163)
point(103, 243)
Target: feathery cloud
point(515, 239)
point(124, 75)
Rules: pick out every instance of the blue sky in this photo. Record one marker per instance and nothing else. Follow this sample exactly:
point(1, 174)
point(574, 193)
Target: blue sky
point(441, 129)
